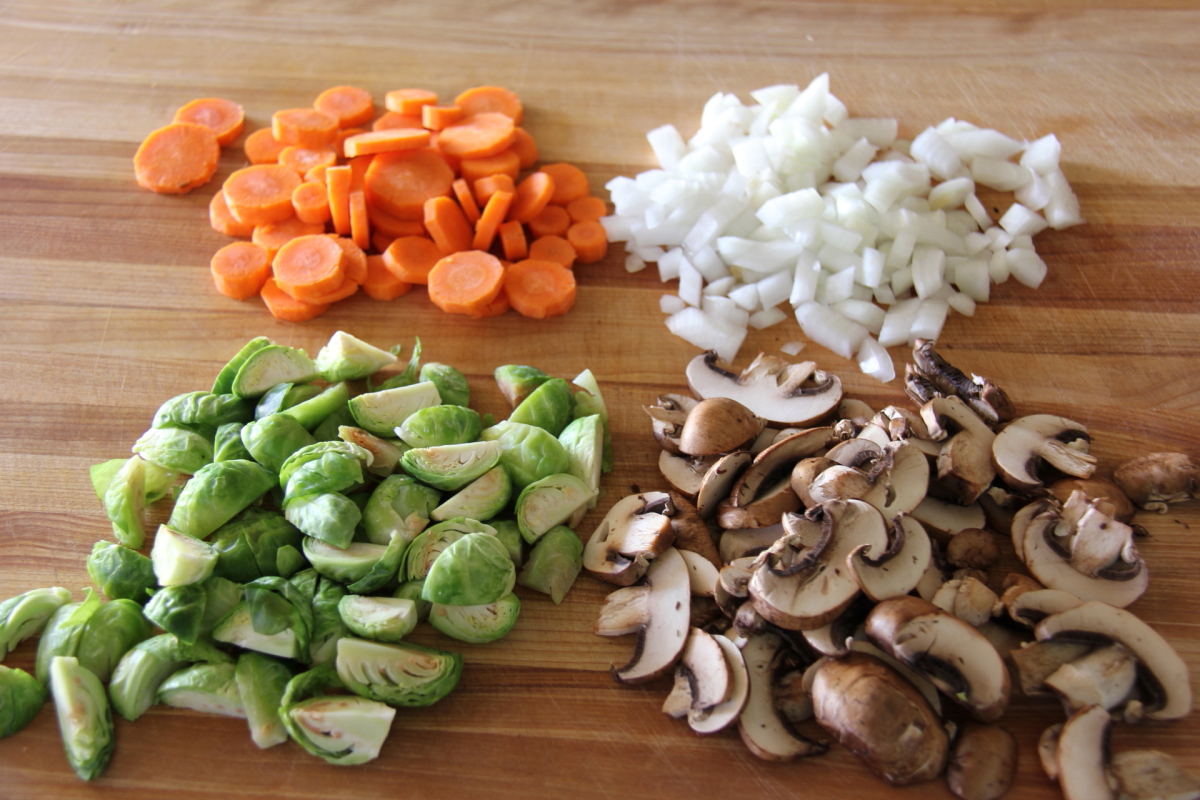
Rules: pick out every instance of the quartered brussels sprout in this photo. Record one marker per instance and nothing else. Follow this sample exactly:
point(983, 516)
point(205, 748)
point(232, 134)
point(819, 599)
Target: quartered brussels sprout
point(411, 370)
point(347, 358)
point(21, 698)
point(237, 629)
point(120, 572)
point(179, 610)
point(589, 401)
point(554, 563)
point(313, 412)
point(528, 452)
point(331, 472)
point(249, 546)
point(61, 635)
point(549, 406)
point(402, 675)
point(327, 622)
point(327, 431)
point(342, 730)
point(180, 559)
point(316, 451)
point(451, 467)
point(216, 494)
point(283, 396)
point(437, 425)
point(549, 502)
point(124, 502)
point(477, 624)
point(174, 449)
point(202, 412)
point(474, 570)
point(583, 439)
point(399, 506)
point(27, 614)
point(343, 564)
point(222, 597)
point(208, 688)
point(227, 443)
point(481, 499)
point(430, 543)
point(277, 605)
point(383, 411)
point(509, 534)
point(158, 481)
point(330, 517)
point(271, 440)
point(381, 619)
point(224, 382)
point(451, 384)
point(269, 366)
point(385, 454)
point(84, 717)
point(108, 634)
point(261, 682)
point(141, 671)
point(411, 590)
point(517, 382)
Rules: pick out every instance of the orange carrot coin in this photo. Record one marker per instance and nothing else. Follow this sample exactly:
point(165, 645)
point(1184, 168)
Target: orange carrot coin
point(512, 240)
point(262, 148)
point(262, 193)
point(347, 288)
point(177, 158)
point(223, 117)
point(410, 258)
point(337, 185)
point(533, 195)
point(504, 163)
point(462, 191)
point(309, 266)
point(466, 282)
point(400, 183)
point(311, 202)
point(553, 221)
point(381, 284)
point(485, 99)
point(437, 117)
point(303, 159)
point(306, 127)
point(477, 136)
point(486, 187)
point(525, 148)
point(223, 221)
point(489, 221)
point(275, 235)
point(553, 248)
point(391, 120)
point(240, 269)
point(349, 105)
point(385, 223)
point(355, 262)
point(540, 289)
point(590, 241)
point(586, 209)
point(569, 182)
point(447, 224)
point(283, 306)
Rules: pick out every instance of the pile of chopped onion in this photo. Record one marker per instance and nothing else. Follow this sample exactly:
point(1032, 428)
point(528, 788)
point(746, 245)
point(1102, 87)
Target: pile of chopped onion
point(871, 239)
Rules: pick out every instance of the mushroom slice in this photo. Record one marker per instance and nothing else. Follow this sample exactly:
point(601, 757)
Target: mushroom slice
point(661, 639)
point(768, 735)
point(964, 464)
point(692, 533)
point(1047, 749)
point(984, 397)
point(702, 574)
point(855, 411)
point(897, 570)
point(1026, 442)
point(1162, 672)
point(684, 473)
point(1050, 564)
point(743, 542)
point(628, 538)
point(718, 425)
point(943, 520)
point(1150, 774)
point(804, 474)
point(1106, 676)
point(1031, 607)
point(667, 416)
point(840, 483)
point(723, 714)
point(767, 509)
point(777, 459)
point(625, 611)
point(875, 433)
point(783, 394)
point(923, 684)
point(702, 666)
point(1037, 661)
point(1081, 755)
point(1152, 481)
point(973, 548)
point(967, 598)
point(834, 639)
point(983, 764)
point(1022, 519)
point(901, 478)
point(860, 453)
point(1111, 500)
point(719, 480)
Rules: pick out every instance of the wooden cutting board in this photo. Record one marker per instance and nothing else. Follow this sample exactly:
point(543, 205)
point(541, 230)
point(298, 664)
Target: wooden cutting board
point(108, 310)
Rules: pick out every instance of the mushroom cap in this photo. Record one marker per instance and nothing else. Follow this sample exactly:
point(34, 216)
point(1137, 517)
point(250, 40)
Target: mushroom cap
point(718, 425)
point(1026, 442)
point(1156, 479)
point(984, 762)
point(783, 394)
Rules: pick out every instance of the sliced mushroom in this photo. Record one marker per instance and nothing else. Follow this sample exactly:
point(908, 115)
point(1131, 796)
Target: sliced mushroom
point(860, 453)
point(718, 425)
point(943, 520)
point(702, 574)
point(783, 394)
point(968, 598)
point(855, 411)
point(1152, 481)
point(768, 735)
point(1031, 607)
point(625, 611)
point(923, 684)
point(804, 473)
point(715, 718)
point(975, 548)
point(719, 480)
point(984, 762)
point(704, 670)
point(667, 417)
point(1048, 750)
point(1027, 442)
point(1037, 661)
point(983, 396)
point(664, 601)
point(1105, 676)
point(684, 473)
point(732, 583)
point(935, 574)
point(964, 464)
point(1151, 774)
point(834, 638)
point(1082, 754)
point(840, 483)
point(777, 460)
point(767, 509)
point(901, 479)
point(743, 542)
point(897, 570)
point(1112, 500)
point(632, 534)
point(692, 533)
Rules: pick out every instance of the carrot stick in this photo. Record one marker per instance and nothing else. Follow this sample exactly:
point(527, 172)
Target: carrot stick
point(435, 118)
point(447, 224)
point(381, 284)
point(360, 225)
point(391, 120)
point(477, 136)
point(349, 105)
point(262, 193)
point(485, 99)
point(410, 258)
point(409, 101)
point(533, 195)
point(462, 191)
point(339, 144)
point(303, 159)
point(569, 182)
point(337, 183)
point(466, 282)
point(503, 163)
point(553, 221)
point(283, 306)
point(177, 158)
point(223, 221)
point(400, 183)
point(311, 202)
point(586, 209)
point(306, 127)
point(540, 289)
point(261, 147)
point(355, 260)
point(590, 241)
point(489, 221)
point(553, 248)
point(512, 239)
point(486, 187)
point(525, 148)
point(309, 266)
point(386, 141)
point(385, 223)
point(275, 235)
point(347, 288)
point(240, 269)
point(223, 117)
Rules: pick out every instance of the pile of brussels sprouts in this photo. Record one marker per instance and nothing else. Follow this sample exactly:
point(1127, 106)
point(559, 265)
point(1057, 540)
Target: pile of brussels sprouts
point(317, 528)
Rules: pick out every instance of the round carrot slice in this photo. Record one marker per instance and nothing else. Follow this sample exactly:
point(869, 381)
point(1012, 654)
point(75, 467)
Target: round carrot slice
point(590, 241)
point(409, 101)
point(349, 105)
point(309, 266)
point(586, 209)
point(306, 127)
point(486, 187)
point(275, 235)
point(240, 269)
point(525, 148)
point(347, 288)
point(478, 136)
point(261, 194)
point(388, 225)
point(466, 282)
point(303, 159)
point(381, 284)
point(177, 158)
point(261, 147)
point(391, 121)
point(553, 248)
point(355, 261)
point(223, 221)
point(311, 202)
point(533, 195)
point(400, 183)
point(553, 221)
point(540, 289)
point(224, 117)
point(410, 258)
point(503, 163)
point(283, 306)
point(569, 182)
point(486, 99)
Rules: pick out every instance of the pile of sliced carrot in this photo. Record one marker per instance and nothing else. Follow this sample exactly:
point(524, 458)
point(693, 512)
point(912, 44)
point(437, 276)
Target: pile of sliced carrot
point(335, 199)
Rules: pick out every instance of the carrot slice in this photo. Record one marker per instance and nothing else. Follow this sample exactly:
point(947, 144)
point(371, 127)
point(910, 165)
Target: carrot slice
point(306, 127)
point(349, 105)
point(223, 117)
point(381, 284)
point(525, 148)
point(262, 148)
point(489, 221)
point(540, 289)
point(486, 187)
point(533, 195)
point(360, 225)
point(586, 209)
point(386, 141)
point(454, 162)
point(512, 239)
point(553, 221)
point(358, 171)
point(275, 235)
point(553, 248)
point(346, 289)
point(485, 99)
point(385, 223)
point(435, 118)
point(240, 269)
point(391, 120)
point(410, 258)
point(462, 191)
point(339, 144)
point(569, 182)
point(494, 308)
point(337, 183)
point(309, 266)
point(447, 224)
point(311, 202)
point(466, 282)
point(478, 136)
point(590, 241)
point(504, 163)
point(261, 194)
point(409, 101)
point(283, 306)
point(177, 158)
point(316, 175)
point(400, 183)
point(381, 241)
point(303, 159)
point(223, 221)
point(355, 262)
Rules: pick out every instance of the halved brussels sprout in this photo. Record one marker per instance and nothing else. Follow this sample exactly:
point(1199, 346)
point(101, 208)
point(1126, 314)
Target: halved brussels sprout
point(477, 624)
point(278, 604)
point(402, 675)
point(430, 543)
point(438, 425)
point(227, 444)
point(451, 384)
point(283, 396)
point(330, 517)
point(84, 717)
point(327, 431)
point(61, 635)
point(327, 623)
point(180, 559)
point(549, 502)
point(261, 683)
point(385, 454)
point(222, 597)
point(316, 451)
point(235, 556)
point(215, 495)
point(271, 440)
point(237, 629)
point(141, 671)
point(174, 449)
point(124, 502)
point(385, 572)
point(179, 610)
point(588, 402)
point(249, 545)
point(474, 570)
point(347, 358)
point(343, 564)
point(108, 635)
point(381, 619)
point(120, 572)
point(554, 563)
point(482, 499)
point(21, 698)
point(382, 412)
point(411, 590)
point(583, 439)
point(399, 506)
point(313, 412)
point(509, 534)
point(517, 382)
point(224, 382)
point(158, 481)
point(549, 406)
point(27, 614)
point(272, 365)
point(202, 412)
point(528, 452)
point(451, 467)
point(208, 688)
point(331, 472)
point(342, 730)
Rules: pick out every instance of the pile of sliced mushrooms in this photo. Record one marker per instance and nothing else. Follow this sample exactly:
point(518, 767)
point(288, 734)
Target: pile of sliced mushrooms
point(816, 559)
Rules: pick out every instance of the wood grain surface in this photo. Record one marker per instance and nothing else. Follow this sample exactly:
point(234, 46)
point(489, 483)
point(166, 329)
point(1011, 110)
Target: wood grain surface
point(107, 309)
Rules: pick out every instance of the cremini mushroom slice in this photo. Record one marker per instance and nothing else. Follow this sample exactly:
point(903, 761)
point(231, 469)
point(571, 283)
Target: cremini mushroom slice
point(1047, 749)
point(742, 542)
point(767, 734)
point(692, 533)
point(715, 718)
point(860, 453)
point(783, 394)
point(718, 425)
point(1036, 661)
point(663, 603)
point(1152, 481)
point(778, 459)
point(667, 416)
point(983, 763)
point(834, 638)
point(984, 397)
point(1026, 442)
point(684, 473)
point(1112, 500)
point(1081, 755)
point(704, 671)
point(1106, 676)
point(968, 598)
point(923, 684)
point(718, 481)
point(625, 611)
point(975, 548)
point(632, 533)
point(702, 574)
point(1030, 607)
point(964, 464)
point(943, 520)
point(855, 410)
point(803, 475)
point(767, 508)
point(899, 568)
point(839, 482)
point(900, 479)
point(1151, 774)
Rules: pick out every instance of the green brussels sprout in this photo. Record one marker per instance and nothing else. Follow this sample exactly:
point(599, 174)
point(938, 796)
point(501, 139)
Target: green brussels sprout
point(509, 534)
point(120, 572)
point(528, 452)
point(174, 449)
point(401, 675)
point(399, 506)
point(283, 396)
point(261, 682)
point(549, 406)
point(482, 499)
point(517, 382)
point(385, 454)
point(451, 467)
point(266, 533)
point(180, 559)
point(222, 596)
point(158, 481)
point(347, 358)
point(451, 384)
point(124, 502)
point(381, 619)
point(202, 412)
point(237, 629)
point(84, 717)
point(430, 543)
point(383, 411)
point(316, 451)
point(61, 635)
point(314, 411)
point(411, 590)
point(411, 369)
point(477, 624)
point(108, 634)
point(235, 556)
point(179, 610)
point(269, 366)
point(227, 444)
point(343, 564)
point(271, 440)
point(21, 698)
point(554, 563)
point(208, 688)
point(384, 572)
point(142, 670)
point(331, 472)
point(27, 614)
point(216, 494)
point(342, 730)
point(472, 571)
point(327, 622)
point(327, 431)
point(583, 439)
point(589, 401)
point(437, 425)
point(290, 561)
point(330, 517)
point(224, 382)
point(549, 502)
point(279, 604)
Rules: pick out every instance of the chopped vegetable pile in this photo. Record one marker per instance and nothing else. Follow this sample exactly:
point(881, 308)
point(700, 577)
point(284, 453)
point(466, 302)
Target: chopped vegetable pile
point(315, 529)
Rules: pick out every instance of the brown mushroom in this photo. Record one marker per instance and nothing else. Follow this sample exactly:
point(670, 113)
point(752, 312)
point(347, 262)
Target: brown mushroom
point(984, 762)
